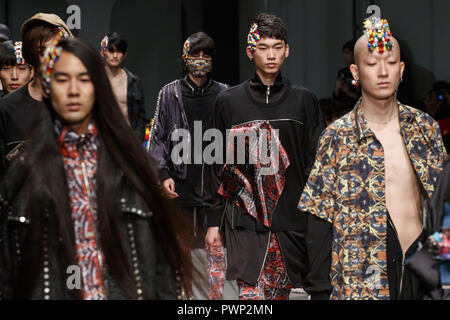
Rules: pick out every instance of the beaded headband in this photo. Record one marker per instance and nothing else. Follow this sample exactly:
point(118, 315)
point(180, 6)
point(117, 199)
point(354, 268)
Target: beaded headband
point(63, 32)
point(104, 43)
point(378, 33)
point(253, 37)
point(186, 48)
point(51, 56)
point(18, 52)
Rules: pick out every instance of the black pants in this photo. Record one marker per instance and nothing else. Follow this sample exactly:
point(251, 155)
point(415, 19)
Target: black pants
point(404, 284)
point(197, 218)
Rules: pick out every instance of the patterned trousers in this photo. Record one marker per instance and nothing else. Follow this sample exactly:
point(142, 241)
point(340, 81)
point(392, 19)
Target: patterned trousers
point(273, 283)
point(216, 271)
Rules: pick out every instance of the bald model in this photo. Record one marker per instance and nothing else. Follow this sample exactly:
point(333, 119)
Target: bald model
point(379, 76)
point(384, 159)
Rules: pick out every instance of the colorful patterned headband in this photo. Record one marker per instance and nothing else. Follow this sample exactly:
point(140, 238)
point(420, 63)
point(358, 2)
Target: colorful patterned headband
point(104, 43)
point(378, 33)
point(253, 37)
point(186, 48)
point(63, 32)
point(18, 52)
point(51, 56)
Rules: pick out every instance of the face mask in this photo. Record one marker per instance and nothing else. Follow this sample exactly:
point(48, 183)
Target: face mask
point(199, 67)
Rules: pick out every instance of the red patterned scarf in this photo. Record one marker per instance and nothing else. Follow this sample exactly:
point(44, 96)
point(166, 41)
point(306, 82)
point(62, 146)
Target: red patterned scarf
point(79, 154)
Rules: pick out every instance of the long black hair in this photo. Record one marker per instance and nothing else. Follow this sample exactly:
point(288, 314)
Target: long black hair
point(120, 154)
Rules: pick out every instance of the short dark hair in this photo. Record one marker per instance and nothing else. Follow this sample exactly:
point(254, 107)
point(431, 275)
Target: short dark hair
point(349, 45)
point(33, 37)
point(271, 26)
point(200, 41)
point(7, 54)
point(117, 42)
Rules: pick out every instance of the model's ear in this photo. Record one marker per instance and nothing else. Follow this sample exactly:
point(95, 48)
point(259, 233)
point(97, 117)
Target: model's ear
point(288, 50)
point(249, 53)
point(402, 69)
point(354, 71)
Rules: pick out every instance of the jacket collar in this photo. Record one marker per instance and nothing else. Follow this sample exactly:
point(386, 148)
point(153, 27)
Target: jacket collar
point(196, 90)
point(256, 84)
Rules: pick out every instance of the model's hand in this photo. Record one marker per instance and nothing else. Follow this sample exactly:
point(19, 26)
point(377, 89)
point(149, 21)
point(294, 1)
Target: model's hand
point(169, 188)
point(212, 239)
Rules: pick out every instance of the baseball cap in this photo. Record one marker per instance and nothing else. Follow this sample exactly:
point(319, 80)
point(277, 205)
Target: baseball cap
point(46, 17)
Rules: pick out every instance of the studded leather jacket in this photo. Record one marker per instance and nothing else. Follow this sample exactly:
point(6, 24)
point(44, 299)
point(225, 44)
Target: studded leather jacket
point(154, 278)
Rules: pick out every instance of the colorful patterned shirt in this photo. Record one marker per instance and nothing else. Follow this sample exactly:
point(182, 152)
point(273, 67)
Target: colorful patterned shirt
point(347, 188)
point(80, 163)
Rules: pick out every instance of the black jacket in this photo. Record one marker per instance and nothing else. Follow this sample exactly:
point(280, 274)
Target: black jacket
point(137, 113)
point(17, 111)
point(169, 116)
point(294, 111)
point(136, 229)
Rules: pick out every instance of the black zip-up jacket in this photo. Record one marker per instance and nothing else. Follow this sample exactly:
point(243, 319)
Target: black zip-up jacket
point(294, 111)
point(136, 232)
point(137, 113)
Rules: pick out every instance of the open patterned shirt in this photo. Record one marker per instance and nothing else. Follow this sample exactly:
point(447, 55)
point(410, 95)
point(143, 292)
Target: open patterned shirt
point(347, 188)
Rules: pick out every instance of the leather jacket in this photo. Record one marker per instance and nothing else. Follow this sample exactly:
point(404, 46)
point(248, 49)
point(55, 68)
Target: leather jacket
point(136, 232)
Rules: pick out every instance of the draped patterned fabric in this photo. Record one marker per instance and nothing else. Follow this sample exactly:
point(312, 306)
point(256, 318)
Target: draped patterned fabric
point(80, 163)
point(248, 184)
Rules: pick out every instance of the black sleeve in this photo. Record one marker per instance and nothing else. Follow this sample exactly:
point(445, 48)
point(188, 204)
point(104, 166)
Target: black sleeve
point(318, 241)
point(315, 124)
point(213, 201)
point(142, 116)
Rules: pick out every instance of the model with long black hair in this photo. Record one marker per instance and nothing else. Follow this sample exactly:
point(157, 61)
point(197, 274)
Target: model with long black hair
point(83, 196)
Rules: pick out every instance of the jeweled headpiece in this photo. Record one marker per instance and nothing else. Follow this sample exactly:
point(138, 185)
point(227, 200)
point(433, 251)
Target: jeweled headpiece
point(253, 37)
point(51, 56)
point(379, 34)
point(104, 43)
point(186, 48)
point(18, 52)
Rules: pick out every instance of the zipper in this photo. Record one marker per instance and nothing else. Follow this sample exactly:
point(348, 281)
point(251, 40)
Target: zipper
point(189, 139)
point(266, 120)
point(201, 182)
point(265, 255)
point(403, 258)
point(195, 222)
point(94, 214)
point(267, 94)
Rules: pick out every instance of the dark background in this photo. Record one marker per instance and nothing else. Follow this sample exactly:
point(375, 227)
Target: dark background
point(317, 30)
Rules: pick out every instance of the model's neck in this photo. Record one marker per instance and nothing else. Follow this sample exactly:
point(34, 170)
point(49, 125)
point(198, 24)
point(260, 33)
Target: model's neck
point(35, 89)
point(113, 71)
point(198, 81)
point(268, 79)
point(379, 110)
